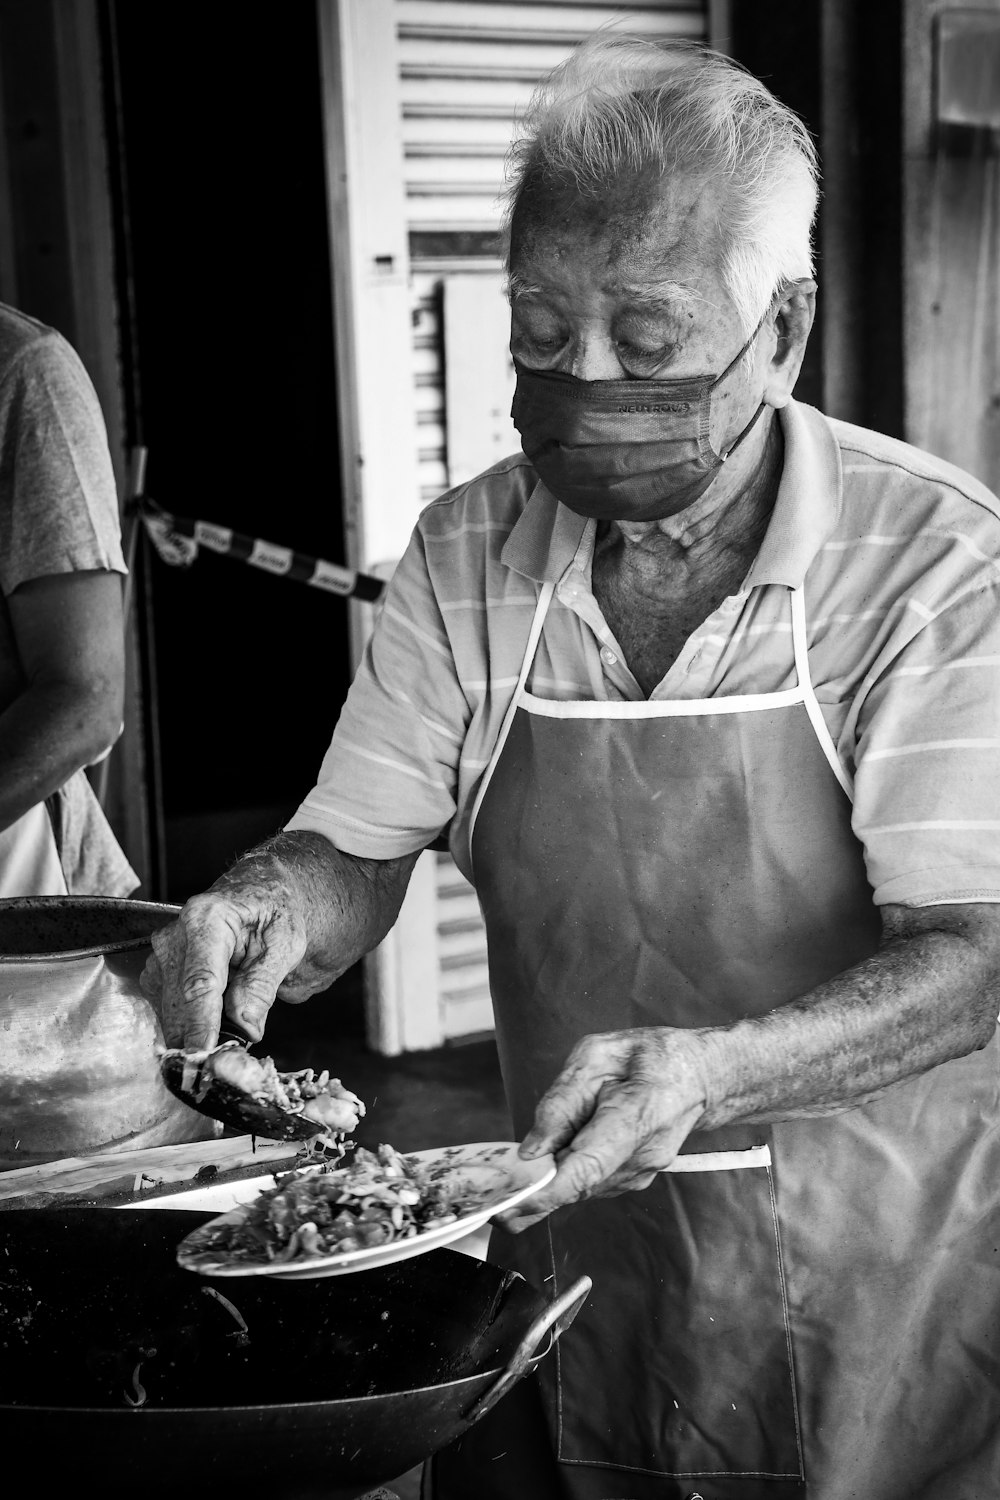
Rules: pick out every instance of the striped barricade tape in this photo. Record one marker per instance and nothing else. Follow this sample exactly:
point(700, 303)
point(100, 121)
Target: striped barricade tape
point(177, 539)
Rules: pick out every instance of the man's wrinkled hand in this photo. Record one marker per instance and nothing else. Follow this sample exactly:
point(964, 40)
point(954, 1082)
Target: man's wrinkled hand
point(226, 951)
point(618, 1113)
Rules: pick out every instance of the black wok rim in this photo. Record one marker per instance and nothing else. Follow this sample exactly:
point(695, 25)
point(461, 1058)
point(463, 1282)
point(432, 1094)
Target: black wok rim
point(284, 1406)
point(163, 1412)
point(99, 903)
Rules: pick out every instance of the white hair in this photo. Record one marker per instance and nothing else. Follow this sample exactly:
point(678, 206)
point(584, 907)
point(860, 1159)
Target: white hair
point(621, 105)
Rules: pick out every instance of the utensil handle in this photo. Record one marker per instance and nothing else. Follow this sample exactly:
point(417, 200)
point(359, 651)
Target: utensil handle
point(230, 1032)
point(553, 1320)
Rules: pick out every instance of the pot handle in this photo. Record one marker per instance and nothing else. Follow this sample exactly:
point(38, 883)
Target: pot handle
point(553, 1320)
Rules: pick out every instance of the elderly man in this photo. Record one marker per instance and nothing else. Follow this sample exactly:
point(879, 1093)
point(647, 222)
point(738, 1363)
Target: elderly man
point(703, 688)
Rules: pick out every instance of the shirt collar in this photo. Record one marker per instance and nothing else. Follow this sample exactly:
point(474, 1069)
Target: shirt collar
point(544, 538)
point(546, 535)
point(808, 502)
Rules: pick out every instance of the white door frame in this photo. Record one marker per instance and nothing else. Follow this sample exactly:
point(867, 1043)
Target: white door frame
point(370, 271)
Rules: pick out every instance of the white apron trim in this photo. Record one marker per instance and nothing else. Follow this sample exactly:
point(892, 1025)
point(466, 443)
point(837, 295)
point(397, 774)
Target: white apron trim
point(534, 635)
point(665, 708)
point(823, 735)
point(721, 1161)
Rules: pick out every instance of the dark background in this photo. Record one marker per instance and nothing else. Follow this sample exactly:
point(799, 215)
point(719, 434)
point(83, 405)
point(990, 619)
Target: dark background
point(232, 390)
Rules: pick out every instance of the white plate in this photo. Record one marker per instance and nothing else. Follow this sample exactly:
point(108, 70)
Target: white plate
point(492, 1169)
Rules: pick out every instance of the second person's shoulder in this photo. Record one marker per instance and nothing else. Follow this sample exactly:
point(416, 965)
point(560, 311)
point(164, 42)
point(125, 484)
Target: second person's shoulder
point(23, 337)
point(39, 370)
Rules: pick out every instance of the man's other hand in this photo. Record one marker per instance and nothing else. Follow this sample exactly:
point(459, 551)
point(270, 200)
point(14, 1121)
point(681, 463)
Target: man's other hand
point(618, 1113)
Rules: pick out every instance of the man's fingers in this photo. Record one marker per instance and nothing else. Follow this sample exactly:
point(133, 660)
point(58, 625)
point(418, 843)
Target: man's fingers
point(251, 989)
point(581, 1173)
point(151, 978)
point(621, 1148)
point(203, 982)
point(516, 1222)
point(231, 950)
point(627, 1140)
point(192, 957)
point(248, 999)
point(579, 1176)
point(571, 1101)
point(616, 1116)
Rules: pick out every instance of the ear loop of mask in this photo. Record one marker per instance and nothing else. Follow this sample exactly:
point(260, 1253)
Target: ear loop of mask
point(720, 378)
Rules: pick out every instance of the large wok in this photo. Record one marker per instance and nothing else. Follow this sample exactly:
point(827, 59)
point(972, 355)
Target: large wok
point(336, 1386)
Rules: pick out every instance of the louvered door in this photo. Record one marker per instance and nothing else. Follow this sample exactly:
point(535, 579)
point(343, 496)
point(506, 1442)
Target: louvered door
point(429, 89)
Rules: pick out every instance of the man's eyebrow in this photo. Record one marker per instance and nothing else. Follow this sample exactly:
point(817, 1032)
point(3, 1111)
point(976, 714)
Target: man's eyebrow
point(653, 296)
point(660, 296)
point(517, 286)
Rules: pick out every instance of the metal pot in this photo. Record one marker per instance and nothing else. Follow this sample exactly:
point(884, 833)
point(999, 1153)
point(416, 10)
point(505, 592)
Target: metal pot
point(333, 1386)
point(78, 1071)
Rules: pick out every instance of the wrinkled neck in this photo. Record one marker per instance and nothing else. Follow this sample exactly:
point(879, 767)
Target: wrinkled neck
point(720, 527)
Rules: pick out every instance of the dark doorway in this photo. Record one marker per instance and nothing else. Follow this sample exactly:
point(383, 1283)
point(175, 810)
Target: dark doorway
point(220, 116)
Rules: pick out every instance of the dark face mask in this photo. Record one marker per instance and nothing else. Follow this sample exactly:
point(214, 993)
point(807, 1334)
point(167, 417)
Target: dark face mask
point(622, 449)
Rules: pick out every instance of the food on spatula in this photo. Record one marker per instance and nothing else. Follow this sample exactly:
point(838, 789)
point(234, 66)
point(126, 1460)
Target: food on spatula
point(376, 1198)
point(317, 1098)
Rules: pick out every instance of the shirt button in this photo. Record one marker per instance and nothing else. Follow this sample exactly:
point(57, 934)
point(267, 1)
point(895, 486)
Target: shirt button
point(608, 657)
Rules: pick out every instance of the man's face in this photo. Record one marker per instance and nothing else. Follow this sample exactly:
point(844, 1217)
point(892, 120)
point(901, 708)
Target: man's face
point(631, 287)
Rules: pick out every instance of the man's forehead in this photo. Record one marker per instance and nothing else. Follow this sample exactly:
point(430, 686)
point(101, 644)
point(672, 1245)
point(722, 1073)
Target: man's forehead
point(654, 243)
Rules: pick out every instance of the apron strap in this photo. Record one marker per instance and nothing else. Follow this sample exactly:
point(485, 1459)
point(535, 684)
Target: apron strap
point(809, 698)
point(800, 646)
point(531, 646)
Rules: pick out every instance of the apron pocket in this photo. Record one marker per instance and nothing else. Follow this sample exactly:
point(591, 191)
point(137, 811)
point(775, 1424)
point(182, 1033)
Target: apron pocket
point(686, 1330)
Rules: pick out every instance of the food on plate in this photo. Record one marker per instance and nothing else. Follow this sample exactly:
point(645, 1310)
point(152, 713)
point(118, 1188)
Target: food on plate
point(315, 1097)
point(376, 1198)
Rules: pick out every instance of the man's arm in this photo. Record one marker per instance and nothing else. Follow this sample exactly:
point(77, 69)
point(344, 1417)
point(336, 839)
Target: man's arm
point(626, 1101)
point(931, 993)
point(68, 632)
point(285, 921)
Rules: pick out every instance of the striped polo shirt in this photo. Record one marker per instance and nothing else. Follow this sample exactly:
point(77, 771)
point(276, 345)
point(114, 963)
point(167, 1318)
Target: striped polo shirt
point(898, 552)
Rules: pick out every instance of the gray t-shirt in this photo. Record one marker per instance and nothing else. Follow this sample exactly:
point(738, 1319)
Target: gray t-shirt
point(58, 514)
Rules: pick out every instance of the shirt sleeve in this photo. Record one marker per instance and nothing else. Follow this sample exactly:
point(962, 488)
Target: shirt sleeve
point(388, 783)
point(58, 499)
point(927, 788)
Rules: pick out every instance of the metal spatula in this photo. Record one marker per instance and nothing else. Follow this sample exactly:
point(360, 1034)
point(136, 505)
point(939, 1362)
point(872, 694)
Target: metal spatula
point(189, 1077)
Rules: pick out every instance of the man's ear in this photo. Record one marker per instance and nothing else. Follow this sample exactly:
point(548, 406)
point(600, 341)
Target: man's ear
point(792, 325)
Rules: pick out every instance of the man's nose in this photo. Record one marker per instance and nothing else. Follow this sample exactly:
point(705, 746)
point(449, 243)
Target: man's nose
point(595, 358)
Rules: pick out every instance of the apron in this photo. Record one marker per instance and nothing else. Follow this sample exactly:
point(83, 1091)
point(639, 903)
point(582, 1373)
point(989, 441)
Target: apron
point(823, 1323)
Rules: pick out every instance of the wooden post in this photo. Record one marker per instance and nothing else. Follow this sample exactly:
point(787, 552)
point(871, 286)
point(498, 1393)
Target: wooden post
point(952, 269)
